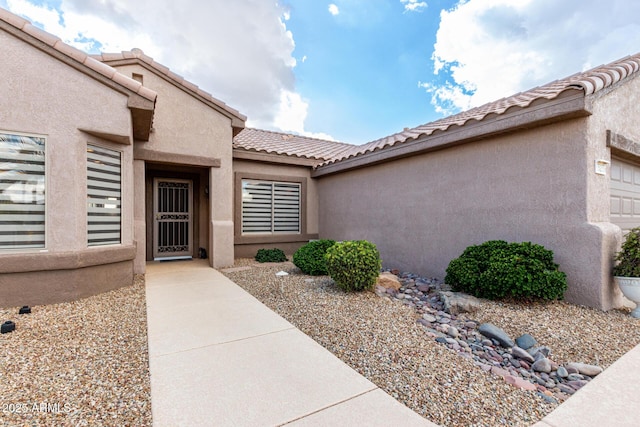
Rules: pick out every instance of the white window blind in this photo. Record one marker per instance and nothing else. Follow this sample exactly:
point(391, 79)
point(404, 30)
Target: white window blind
point(103, 196)
point(22, 198)
point(270, 207)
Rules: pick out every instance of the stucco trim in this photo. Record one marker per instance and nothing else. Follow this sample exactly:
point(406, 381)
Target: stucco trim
point(623, 147)
point(269, 238)
point(553, 111)
point(241, 153)
point(46, 261)
point(173, 158)
point(118, 139)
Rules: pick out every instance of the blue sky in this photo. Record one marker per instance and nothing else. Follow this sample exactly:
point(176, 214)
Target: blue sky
point(351, 70)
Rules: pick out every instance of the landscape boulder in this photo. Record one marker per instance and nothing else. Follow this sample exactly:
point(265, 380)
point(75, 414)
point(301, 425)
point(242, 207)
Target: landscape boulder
point(389, 281)
point(458, 302)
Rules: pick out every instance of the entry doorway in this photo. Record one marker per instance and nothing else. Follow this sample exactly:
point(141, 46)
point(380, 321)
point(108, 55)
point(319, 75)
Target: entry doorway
point(172, 219)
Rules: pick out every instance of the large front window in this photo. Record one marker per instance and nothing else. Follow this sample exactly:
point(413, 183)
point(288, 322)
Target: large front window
point(270, 207)
point(103, 196)
point(22, 198)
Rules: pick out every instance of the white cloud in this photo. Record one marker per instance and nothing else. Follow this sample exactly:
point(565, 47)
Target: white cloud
point(292, 113)
point(414, 5)
point(239, 51)
point(333, 9)
point(496, 48)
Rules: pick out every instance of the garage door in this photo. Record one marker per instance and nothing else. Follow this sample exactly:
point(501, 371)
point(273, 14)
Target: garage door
point(625, 194)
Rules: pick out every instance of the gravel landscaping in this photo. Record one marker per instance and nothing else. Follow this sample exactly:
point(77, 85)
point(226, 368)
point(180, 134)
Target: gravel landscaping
point(386, 338)
point(83, 363)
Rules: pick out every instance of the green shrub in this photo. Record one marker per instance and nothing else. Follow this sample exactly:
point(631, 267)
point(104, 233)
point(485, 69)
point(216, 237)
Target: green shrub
point(353, 265)
point(310, 257)
point(270, 255)
point(497, 269)
point(629, 257)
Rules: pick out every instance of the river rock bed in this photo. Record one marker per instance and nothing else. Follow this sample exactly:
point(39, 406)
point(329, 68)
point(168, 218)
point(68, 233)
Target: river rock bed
point(523, 363)
point(381, 336)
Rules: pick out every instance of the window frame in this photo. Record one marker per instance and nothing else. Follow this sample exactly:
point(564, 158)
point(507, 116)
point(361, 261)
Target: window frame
point(45, 192)
point(252, 238)
point(275, 204)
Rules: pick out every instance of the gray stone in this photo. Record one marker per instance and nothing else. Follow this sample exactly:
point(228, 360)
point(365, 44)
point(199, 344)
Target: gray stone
point(453, 332)
point(585, 369)
point(562, 372)
point(493, 332)
point(520, 353)
point(577, 384)
point(429, 317)
point(546, 351)
point(457, 302)
point(574, 377)
point(423, 322)
point(526, 341)
point(542, 365)
point(548, 399)
point(572, 370)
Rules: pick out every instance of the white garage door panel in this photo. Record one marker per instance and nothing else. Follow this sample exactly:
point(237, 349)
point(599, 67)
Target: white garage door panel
point(625, 194)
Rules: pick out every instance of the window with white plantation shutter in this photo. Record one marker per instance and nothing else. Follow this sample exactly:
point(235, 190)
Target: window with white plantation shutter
point(22, 198)
point(270, 207)
point(103, 196)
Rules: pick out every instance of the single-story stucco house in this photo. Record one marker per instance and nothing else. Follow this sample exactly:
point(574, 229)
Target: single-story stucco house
point(110, 161)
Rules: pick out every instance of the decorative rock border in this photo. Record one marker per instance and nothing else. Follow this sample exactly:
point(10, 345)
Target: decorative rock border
point(521, 362)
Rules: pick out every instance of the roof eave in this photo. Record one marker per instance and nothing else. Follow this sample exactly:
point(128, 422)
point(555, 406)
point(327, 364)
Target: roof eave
point(572, 104)
point(141, 101)
point(258, 156)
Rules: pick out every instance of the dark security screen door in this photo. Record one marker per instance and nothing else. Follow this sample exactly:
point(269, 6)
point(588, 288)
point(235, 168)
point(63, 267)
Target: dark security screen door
point(172, 228)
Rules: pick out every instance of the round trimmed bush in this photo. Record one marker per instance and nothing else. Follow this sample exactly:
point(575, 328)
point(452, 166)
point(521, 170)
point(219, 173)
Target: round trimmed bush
point(270, 255)
point(310, 257)
point(497, 269)
point(354, 265)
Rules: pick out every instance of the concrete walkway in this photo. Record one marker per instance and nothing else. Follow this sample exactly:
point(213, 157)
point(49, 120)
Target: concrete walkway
point(219, 357)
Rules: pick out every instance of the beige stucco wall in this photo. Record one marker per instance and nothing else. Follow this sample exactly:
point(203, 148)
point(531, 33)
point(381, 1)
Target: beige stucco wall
point(281, 172)
point(424, 210)
point(184, 125)
point(43, 96)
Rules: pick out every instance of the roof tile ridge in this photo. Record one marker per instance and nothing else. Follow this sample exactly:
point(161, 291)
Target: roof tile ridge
point(76, 54)
point(300, 136)
point(13, 19)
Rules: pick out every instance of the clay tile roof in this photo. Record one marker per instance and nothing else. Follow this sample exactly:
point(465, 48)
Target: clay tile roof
point(75, 54)
point(287, 144)
point(138, 54)
point(589, 82)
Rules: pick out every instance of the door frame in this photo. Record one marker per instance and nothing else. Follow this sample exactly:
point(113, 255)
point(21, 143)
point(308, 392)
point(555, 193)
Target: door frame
point(187, 254)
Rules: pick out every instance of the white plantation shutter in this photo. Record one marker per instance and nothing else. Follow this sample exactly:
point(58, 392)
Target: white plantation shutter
point(103, 196)
point(22, 197)
point(286, 207)
point(270, 207)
